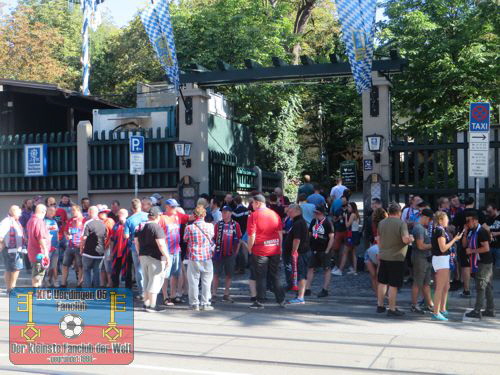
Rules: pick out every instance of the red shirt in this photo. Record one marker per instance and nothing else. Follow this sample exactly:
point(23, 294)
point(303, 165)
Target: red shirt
point(75, 230)
point(171, 225)
point(119, 241)
point(37, 231)
point(61, 218)
point(109, 224)
point(266, 225)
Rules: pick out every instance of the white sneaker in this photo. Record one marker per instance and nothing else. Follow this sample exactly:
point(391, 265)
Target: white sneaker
point(336, 272)
point(351, 271)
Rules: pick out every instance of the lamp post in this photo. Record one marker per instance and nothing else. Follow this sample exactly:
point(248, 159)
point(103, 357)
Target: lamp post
point(375, 142)
point(183, 151)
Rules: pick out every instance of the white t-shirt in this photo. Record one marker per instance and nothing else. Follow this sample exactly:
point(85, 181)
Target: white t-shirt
point(5, 226)
point(217, 215)
point(337, 191)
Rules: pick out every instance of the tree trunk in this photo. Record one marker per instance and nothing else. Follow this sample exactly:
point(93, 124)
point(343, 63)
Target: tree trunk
point(301, 19)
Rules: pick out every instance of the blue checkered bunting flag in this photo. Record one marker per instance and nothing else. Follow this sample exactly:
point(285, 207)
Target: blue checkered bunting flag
point(158, 26)
point(357, 21)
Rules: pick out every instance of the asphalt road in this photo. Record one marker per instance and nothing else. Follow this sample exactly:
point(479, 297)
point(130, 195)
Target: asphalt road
point(341, 335)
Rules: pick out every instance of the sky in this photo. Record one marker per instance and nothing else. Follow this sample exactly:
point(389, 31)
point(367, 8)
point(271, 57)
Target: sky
point(122, 11)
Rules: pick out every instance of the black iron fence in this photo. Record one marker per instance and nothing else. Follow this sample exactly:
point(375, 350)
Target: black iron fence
point(109, 160)
point(433, 167)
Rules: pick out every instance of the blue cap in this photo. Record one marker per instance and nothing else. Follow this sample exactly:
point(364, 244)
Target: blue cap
point(227, 208)
point(172, 202)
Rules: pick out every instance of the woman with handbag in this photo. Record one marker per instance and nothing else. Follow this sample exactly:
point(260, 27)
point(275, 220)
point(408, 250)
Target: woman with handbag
point(199, 238)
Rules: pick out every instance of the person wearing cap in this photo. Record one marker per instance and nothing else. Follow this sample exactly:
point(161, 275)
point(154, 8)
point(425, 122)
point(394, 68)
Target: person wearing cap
point(12, 242)
point(227, 245)
point(106, 266)
point(264, 243)
point(321, 243)
point(171, 222)
point(199, 238)
point(92, 248)
point(421, 260)
point(154, 258)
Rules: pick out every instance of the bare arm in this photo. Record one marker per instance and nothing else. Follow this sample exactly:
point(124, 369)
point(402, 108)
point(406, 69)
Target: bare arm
point(350, 221)
point(485, 247)
point(251, 241)
point(331, 240)
point(423, 246)
point(443, 246)
point(295, 245)
point(162, 245)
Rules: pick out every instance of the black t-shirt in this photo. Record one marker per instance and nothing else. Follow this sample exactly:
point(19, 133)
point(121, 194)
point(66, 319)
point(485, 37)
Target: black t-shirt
point(320, 231)
point(95, 231)
point(280, 210)
point(482, 236)
point(460, 217)
point(439, 232)
point(494, 224)
point(340, 224)
point(240, 215)
point(147, 236)
point(299, 230)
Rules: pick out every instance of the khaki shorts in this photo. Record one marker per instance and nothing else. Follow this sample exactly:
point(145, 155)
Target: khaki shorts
point(421, 271)
point(153, 274)
point(37, 272)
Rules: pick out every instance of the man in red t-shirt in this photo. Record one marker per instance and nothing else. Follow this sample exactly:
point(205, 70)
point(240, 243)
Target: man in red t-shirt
point(38, 243)
point(264, 243)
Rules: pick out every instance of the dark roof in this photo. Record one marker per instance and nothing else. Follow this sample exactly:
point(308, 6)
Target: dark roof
point(73, 98)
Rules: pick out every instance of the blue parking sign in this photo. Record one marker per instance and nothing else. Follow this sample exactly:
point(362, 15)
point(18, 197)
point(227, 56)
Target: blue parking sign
point(136, 144)
point(479, 117)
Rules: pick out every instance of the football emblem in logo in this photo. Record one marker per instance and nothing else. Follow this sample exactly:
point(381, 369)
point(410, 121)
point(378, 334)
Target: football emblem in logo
point(71, 326)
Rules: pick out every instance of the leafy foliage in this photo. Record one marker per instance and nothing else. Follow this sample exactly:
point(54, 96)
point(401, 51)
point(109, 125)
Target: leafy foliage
point(453, 49)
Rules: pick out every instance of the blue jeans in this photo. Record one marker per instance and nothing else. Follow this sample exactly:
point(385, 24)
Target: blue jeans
point(91, 272)
point(138, 269)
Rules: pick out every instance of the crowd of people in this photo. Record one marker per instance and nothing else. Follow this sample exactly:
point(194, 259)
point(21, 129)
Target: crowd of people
point(164, 254)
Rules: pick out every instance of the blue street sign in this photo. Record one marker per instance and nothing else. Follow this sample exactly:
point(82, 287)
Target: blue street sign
point(137, 144)
point(368, 165)
point(479, 117)
point(35, 160)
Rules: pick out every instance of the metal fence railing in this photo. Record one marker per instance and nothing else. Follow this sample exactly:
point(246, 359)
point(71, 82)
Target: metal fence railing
point(109, 160)
point(61, 163)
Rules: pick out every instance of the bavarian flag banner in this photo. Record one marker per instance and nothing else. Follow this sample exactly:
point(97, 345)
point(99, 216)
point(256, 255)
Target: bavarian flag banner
point(158, 26)
point(52, 326)
point(357, 22)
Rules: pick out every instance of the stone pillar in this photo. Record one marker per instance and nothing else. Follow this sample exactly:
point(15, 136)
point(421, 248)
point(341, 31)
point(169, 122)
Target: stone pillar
point(197, 134)
point(376, 182)
point(258, 179)
point(83, 136)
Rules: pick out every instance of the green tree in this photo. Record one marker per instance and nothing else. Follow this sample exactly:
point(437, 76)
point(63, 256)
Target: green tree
point(28, 50)
point(453, 48)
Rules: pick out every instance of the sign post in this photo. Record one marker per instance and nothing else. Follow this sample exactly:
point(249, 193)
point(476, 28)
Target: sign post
point(479, 143)
point(136, 160)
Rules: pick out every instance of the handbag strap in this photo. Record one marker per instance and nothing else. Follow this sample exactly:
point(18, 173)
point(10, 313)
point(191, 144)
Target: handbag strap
point(206, 235)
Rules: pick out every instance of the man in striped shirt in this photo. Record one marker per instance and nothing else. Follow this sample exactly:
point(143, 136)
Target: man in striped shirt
point(199, 239)
point(227, 246)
